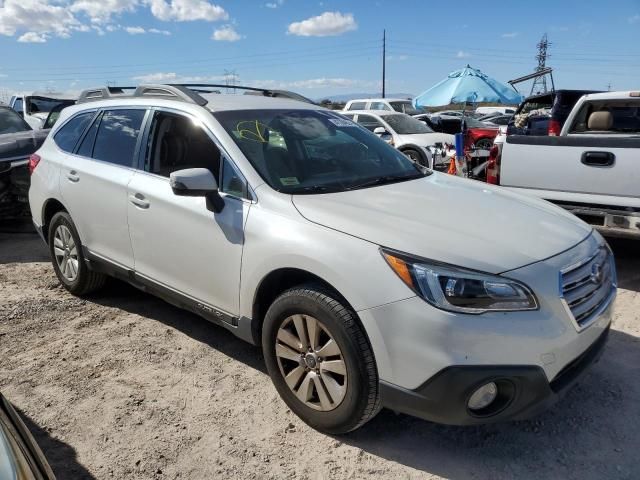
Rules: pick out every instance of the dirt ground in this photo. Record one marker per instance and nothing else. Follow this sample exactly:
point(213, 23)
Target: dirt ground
point(122, 385)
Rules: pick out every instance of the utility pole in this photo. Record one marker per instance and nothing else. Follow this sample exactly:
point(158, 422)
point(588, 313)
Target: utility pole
point(609, 87)
point(541, 81)
point(384, 61)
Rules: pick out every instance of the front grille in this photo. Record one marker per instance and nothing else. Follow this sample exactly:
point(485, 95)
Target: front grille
point(588, 285)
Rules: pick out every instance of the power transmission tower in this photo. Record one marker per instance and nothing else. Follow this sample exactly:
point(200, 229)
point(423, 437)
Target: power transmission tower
point(609, 87)
point(541, 81)
point(230, 79)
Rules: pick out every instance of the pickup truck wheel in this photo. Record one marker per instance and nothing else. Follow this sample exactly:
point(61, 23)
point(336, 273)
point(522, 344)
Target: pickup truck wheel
point(67, 257)
point(320, 361)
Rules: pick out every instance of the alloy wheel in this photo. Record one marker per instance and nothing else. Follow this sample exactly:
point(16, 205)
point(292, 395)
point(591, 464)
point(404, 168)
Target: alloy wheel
point(311, 362)
point(66, 253)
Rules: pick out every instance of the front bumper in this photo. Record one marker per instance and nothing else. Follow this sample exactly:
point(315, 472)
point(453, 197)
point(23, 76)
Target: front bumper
point(429, 360)
point(525, 390)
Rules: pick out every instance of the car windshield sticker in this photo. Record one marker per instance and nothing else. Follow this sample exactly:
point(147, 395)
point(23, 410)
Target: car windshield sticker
point(340, 122)
point(289, 181)
point(253, 130)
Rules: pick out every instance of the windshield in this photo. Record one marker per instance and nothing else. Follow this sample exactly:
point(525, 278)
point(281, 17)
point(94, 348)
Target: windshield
point(43, 104)
point(405, 125)
point(314, 151)
point(11, 122)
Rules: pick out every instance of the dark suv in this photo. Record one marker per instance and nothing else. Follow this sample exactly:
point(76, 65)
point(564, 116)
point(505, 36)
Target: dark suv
point(559, 102)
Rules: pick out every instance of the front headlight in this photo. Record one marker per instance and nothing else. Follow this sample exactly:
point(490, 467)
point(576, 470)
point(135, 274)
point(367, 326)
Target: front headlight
point(458, 290)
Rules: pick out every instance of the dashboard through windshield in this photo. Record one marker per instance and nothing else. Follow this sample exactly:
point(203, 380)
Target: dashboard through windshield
point(315, 151)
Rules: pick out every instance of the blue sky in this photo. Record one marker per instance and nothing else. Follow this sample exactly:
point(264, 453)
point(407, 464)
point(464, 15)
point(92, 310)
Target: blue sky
point(317, 48)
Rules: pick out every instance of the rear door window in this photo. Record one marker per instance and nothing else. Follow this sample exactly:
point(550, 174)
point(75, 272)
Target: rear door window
point(379, 106)
point(358, 106)
point(11, 122)
point(118, 135)
point(67, 136)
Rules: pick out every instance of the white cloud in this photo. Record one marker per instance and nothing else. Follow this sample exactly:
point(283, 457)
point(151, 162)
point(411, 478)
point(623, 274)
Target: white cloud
point(399, 58)
point(135, 30)
point(32, 37)
point(226, 33)
point(509, 35)
point(313, 83)
point(38, 18)
point(187, 10)
point(101, 11)
point(276, 4)
point(634, 19)
point(462, 54)
point(159, 32)
point(172, 77)
point(326, 24)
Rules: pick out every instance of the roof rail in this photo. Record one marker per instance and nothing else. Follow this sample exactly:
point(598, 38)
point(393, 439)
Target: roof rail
point(186, 92)
point(102, 93)
point(266, 92)
point(175, 92)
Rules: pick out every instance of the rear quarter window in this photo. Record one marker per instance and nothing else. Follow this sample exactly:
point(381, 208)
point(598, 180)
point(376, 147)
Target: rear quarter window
point(69, 134)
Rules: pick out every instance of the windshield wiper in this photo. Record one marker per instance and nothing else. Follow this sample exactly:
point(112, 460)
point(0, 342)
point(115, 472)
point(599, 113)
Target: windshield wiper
point(384, 180)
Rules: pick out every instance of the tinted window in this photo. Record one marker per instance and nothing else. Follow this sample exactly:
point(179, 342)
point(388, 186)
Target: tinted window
point(86, 147)
point(379, 106)
point(233, 182)
point(357, 106)
point(11, 122)
point(406, 125)
point(177, 142)
point(67, 137)
point(117, 136)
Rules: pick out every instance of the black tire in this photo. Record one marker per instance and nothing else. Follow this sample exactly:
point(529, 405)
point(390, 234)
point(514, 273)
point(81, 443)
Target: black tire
point(484, 144)
point(86, 280)
point(415, 156)
point(362, 399)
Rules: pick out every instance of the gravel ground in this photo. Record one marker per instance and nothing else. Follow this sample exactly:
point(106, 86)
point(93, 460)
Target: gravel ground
point(122, 385)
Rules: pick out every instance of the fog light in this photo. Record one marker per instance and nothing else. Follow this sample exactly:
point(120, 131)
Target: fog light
point(483, 396)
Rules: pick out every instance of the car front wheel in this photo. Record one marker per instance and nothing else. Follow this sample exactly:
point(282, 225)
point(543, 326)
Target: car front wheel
point(320, 361)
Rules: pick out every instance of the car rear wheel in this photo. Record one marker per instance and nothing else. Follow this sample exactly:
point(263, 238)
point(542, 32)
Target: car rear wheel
point(320, 361)
point(68, 259)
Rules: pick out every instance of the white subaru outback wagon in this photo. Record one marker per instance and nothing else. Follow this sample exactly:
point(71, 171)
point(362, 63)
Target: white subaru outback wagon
point(368, 280)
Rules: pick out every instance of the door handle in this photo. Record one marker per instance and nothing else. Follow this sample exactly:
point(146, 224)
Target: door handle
point(139, 201)
point(598, 159)
point(73, 176)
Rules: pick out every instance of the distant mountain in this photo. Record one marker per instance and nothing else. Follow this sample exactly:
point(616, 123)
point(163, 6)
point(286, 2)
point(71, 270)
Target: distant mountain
point(350, 96)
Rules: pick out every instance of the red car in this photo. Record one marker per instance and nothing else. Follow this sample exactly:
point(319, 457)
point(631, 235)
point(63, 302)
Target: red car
point(479, 137)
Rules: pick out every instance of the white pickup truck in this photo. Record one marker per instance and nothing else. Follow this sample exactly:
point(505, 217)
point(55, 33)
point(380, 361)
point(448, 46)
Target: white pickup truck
point(592, 168)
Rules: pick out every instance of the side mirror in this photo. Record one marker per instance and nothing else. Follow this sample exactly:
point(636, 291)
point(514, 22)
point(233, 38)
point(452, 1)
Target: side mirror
point(197, 182)
point(384, 135)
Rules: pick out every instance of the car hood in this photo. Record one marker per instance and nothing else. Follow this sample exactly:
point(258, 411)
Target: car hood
point(427, 139)
point(449, 219)
point(19, 145)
